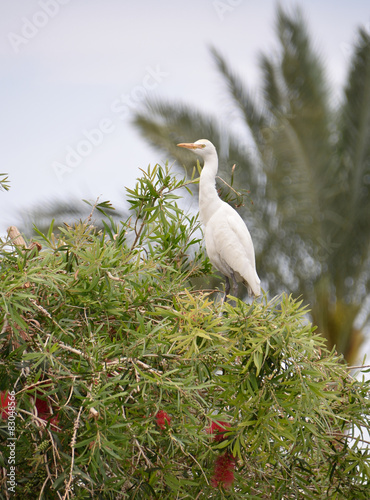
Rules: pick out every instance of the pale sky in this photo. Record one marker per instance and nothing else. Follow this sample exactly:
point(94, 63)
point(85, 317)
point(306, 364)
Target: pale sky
point(72, 72)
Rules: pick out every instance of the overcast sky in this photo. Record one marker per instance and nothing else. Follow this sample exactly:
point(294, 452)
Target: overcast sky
point(72, 72)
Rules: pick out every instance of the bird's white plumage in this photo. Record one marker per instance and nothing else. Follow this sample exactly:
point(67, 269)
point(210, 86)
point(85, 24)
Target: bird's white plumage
point(228, 242)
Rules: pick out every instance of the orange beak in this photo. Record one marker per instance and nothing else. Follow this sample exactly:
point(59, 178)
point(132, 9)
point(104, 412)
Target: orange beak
point(191, 145)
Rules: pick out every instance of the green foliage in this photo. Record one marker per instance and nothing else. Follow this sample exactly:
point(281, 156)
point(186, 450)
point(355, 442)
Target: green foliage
point(120, 366)
point(4, 182)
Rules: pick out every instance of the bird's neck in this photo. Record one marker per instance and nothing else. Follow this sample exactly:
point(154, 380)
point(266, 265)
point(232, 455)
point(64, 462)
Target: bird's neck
point(209, 200)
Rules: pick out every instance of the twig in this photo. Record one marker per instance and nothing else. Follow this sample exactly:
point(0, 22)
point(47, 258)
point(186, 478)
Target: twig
point(69, 348)
point(362, 440)
point(114, 278)
point(190, 455)
point(5, 325)
point(70, 393)
point(357, 367)
point(7, 495)
point(138, 233)
point(40, 308)
point(133, 361)
point(230, 187)
point(16, 237)
point(47, 314)
point(46, 382)
point(40, 421)
point(66, 347)
point(88, 220)
point(56, 462)
point(136, 442)
point(73, 443)
point(18, 240)
point(43, 487)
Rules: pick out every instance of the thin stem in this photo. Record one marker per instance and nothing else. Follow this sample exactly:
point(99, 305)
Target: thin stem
point(73, 443)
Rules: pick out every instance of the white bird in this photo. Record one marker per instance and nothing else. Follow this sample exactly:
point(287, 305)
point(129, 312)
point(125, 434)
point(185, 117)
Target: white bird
point(228, 242)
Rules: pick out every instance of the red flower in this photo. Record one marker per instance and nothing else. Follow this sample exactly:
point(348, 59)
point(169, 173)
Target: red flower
point(218, 428)
point(42, 407)
point(44, 412)
point(4, 403)
point(223, 474)
point(161, 418)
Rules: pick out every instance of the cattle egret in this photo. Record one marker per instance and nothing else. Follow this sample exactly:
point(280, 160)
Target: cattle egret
point(228, 242)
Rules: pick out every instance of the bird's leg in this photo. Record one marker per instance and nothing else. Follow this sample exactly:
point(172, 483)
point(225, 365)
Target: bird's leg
point(234, 287)
point(234, 290)
point(227, 287)
point(227, 290)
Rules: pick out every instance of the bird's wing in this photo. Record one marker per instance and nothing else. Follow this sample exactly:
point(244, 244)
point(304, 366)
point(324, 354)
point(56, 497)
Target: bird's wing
point(246, 265)
point(231, 241)
point(237, 225)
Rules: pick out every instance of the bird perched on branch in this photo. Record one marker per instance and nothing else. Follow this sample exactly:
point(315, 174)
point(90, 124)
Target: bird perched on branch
point(228, 242)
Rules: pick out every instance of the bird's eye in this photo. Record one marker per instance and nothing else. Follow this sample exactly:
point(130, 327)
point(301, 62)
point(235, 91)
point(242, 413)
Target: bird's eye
point(202, 145)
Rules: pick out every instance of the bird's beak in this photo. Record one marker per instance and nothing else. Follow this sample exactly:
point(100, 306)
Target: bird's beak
point(191, 145)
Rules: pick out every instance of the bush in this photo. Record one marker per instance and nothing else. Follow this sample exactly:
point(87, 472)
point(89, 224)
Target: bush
point(130, 383)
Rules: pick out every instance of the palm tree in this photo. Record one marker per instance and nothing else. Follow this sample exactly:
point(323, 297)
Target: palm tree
point(307, 167)
point(66, 213)
point(4, 182)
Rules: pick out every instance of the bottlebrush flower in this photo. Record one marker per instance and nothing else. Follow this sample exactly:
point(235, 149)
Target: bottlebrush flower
point(161, 418)
point(4, 402)
point(44, 412)
point(223, 474)
point(218, 428)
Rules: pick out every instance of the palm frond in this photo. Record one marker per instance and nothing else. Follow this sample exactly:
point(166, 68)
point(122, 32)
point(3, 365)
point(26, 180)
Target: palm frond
point(62, 212)
point(253, 115)
point(272, 89)
point(165, 124)
point(4, 182)
point(354, 201)
point(299, 155)
point(301, 67)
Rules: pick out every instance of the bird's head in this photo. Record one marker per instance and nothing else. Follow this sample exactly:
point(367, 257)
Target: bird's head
point(203, 147)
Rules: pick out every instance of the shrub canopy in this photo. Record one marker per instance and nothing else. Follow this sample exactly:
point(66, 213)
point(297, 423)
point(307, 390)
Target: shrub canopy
point(131, 383)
